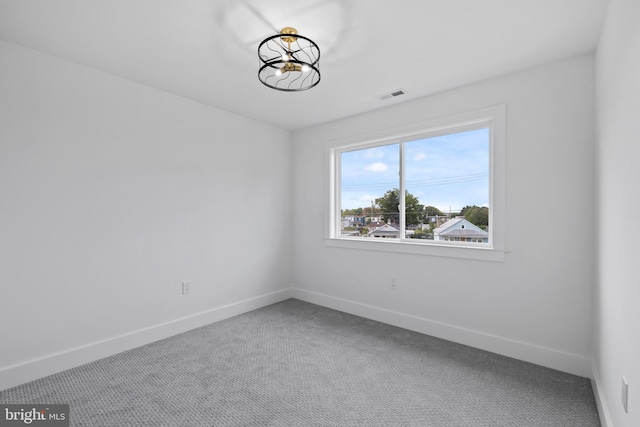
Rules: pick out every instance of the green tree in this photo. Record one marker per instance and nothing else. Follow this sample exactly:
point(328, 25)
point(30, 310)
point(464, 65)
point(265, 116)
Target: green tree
point(432, 211)
point(422, 234)
point(476, 215)
point(390, 202)
point(351, 212)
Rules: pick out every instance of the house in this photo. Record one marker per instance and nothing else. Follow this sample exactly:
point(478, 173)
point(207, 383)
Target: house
point(435, 220)
point(376, 224)
point(388, 231)
point(458, 229)
point(359, 221)
point(136, 141)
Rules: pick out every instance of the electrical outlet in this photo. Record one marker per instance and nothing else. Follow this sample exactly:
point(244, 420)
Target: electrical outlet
point(186, 288)
point(625, 395)
point(393, 284)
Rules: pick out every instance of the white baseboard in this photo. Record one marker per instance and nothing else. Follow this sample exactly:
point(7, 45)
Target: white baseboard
point(37, 368)
point(598, 394)
point(561, 361)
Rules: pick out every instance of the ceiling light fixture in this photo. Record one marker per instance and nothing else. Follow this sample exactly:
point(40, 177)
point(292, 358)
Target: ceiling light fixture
point(289, 62)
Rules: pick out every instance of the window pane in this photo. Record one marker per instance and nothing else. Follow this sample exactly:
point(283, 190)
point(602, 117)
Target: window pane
point(447, 177)
point(365, 177)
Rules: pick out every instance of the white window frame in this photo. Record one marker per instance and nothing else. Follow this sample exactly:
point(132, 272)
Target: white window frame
point(492, 117)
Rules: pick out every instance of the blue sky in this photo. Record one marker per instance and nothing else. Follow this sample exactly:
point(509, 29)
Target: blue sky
point(449, 171)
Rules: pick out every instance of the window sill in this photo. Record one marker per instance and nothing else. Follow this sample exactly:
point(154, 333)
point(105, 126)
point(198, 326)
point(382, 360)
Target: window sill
point(419, 248)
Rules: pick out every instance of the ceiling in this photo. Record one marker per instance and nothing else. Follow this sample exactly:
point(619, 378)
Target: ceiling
point(206, 50)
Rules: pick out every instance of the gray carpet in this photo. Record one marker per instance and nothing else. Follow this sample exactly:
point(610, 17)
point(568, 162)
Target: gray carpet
point(298, 364)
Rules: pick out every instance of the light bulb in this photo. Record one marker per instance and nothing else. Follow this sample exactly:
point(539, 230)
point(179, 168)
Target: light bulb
point(278, 72)
point(305, 68)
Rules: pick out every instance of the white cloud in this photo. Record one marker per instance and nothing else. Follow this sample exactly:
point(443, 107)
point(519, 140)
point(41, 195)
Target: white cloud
point(373, 154)
point(376, 167)
point(420, 156)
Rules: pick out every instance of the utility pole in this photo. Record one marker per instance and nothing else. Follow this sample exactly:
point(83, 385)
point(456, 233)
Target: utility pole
point(371, 212)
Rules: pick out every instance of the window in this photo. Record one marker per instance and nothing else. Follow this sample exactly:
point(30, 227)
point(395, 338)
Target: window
point(423, 187)
point(435, 188)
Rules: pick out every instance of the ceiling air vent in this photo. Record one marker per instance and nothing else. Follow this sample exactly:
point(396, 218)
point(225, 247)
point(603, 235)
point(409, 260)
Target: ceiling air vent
point(391, 94)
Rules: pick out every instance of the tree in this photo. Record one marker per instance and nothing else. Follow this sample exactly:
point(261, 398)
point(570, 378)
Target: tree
point(432, 211)
point(476, 215)
point(357, 211)
point(422, 234)
point(389, 204)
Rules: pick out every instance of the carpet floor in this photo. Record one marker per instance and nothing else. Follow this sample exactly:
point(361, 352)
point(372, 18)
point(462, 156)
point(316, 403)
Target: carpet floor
point(299, 364)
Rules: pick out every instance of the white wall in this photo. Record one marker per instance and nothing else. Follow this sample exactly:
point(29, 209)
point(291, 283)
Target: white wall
point(536, 305)
point(111, 194)
point(617, 297)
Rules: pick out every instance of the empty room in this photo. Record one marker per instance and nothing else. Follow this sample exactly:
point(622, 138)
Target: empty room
point(319, 213)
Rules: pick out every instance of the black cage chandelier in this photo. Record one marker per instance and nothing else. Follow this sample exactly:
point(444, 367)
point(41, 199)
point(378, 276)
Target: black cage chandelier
point(289, 61)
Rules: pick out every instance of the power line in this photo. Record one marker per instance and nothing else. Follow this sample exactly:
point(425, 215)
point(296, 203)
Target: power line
point(416, 183)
